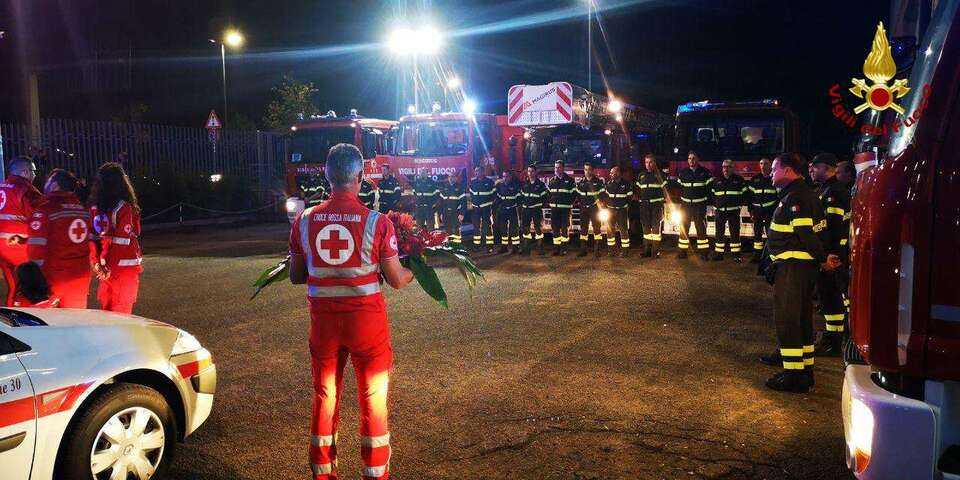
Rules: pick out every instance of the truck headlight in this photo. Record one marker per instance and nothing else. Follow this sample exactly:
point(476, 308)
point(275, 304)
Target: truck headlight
point(860, 432)
point(185, 343)
point(676, 216)
point(604, 215)
point(291, 205)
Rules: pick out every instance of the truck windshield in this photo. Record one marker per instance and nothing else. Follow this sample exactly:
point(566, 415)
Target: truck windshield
point(733, 137)
point(447, 137)
point(310, 145)
point(580, 151)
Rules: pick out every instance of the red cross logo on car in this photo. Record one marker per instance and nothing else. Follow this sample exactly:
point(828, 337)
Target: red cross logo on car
point(335, 244)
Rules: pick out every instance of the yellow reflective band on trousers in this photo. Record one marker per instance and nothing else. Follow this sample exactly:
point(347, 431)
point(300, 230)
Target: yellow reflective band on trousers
point(801, 222)
point(792, 254)
point(808, 348)
point(834, 328)
point(843, 241)
point(793, 365)
point(779, 227)
point(791, 352)
point(653, 237)
point(835, 211)
point(758, 245)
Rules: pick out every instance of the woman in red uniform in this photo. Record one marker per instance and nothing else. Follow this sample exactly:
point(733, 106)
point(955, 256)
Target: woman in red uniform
point(115, 252)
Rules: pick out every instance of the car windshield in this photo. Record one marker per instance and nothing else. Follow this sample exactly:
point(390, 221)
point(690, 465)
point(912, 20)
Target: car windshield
point(447, 137)
point(723, 137)
point(310, 145)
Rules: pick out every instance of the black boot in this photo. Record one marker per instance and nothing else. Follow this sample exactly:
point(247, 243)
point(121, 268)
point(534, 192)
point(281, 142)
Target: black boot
point(624, 252)
point(756, 258)
point(773, 359)
point(682, 254)
point(792, 381)
point(705, 256)
point(515, 250)
point(737, 258)
point(583, 250)
point(648, 251)
point(596, 249)
point(503, 249)
point(808, 370)
point(557, 249)
point(540, 247)
point(717, 257)
point(829, 345)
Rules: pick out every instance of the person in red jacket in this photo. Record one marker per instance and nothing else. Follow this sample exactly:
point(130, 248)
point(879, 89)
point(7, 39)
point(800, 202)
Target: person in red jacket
point(18, 198)
point(32, 288)
point(341, 250)
point(59, 240)
point(115, 252)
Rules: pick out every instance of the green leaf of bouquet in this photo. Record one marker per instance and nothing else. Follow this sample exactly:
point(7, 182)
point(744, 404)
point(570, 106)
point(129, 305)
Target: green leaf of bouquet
point(427, 278)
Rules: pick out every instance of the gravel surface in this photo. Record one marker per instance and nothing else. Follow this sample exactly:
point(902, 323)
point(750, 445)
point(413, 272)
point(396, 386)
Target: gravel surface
point(555, 368)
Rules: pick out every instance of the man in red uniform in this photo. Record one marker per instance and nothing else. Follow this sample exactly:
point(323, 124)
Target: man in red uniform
point(115, 249)
point(341, 250)
point(18, 198)
point(59, 232)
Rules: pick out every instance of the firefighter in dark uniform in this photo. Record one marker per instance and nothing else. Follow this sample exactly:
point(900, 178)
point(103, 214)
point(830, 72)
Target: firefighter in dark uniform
point(390, 191)
point(651, 185)
point(315, 188)
point(729, 196)
point(763, 199)
point(368, 193)
point(695, 192)
point(533, 192)
point(427, 192)
point(590, 188)
point(453, 196)
point(508, 195)
point(562, 190)
point(795, 246)
point(835, 199)
point(847, 176)
point(482, 192)
point(619, 191)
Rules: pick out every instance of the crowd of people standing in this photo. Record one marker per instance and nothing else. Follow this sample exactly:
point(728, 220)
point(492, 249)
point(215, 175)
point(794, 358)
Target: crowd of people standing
point(55, 242)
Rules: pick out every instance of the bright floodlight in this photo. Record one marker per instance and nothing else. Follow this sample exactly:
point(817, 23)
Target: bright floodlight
point(411, 109)
point(604, 215)
point(424, 41)
point(233, 38)
point(615, 106)
point(453, 83)
point(469, 106)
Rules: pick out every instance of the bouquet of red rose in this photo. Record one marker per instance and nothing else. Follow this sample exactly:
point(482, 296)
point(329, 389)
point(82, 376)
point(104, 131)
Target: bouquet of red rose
point(414, 246)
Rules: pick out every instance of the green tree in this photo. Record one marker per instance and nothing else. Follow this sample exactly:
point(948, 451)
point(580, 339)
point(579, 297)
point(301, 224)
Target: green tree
point(292, 101)
point(239, 121)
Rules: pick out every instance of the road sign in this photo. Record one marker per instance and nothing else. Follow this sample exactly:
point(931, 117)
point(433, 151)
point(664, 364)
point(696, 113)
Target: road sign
point(213, 121)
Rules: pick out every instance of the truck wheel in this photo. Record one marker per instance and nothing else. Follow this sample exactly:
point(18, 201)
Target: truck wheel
point(128, 432)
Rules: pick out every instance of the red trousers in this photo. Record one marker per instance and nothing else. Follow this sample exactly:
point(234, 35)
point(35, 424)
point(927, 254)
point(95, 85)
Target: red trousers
point(10, 258)
point(72, 288)
point(364, 338)
point(118, 293)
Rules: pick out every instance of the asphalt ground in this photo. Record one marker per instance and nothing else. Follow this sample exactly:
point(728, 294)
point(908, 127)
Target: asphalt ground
point(554, 368)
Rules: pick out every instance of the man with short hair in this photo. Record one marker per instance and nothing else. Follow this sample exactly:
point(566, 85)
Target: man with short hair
point(453, 198)
point(533, 193)
point(619, 192)
point(729, 195)
point(562, 190)
point(695, 184)
point(651, 185)
point(58, 244)
point(590, 188)
point(18, 199)
point(390, 191)
point(835, 200)
point(795, 246)
point(368, 193)
point(427, 193)
point(763, 199)
point(482, 195)
point(342, 250)
point(508, 193)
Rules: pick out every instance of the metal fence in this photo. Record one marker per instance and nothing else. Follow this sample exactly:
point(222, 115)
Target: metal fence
point(145, 150)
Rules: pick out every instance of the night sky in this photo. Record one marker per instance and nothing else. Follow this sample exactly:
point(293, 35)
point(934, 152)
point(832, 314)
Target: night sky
point(97, 56)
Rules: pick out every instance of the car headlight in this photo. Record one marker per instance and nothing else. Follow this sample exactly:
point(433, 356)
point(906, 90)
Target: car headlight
point(292, 205)
point(185, 343)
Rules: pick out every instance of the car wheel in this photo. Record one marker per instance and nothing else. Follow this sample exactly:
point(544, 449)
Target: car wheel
point(128, 432)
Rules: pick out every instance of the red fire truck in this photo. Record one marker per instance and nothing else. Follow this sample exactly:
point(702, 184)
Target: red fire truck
point(311, 139)
point(446, 143)
point(901, 391)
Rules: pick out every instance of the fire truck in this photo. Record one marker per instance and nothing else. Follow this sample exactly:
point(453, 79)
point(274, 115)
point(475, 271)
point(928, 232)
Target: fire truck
point(569, 123)
point(312, 138)
point(901, 389)
point(743, 132)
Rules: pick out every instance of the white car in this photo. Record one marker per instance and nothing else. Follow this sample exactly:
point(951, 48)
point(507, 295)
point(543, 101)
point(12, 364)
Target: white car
point(94, 395)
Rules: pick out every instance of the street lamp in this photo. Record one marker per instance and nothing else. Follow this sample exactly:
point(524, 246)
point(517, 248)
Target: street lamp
point(234, 39)
point(615, 106)
point(589, 45)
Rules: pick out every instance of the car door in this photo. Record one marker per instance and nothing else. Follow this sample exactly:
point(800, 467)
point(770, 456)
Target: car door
point(18, 420)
